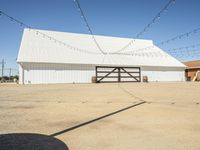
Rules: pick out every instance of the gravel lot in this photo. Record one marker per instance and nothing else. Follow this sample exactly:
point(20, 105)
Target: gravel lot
point(170, 118)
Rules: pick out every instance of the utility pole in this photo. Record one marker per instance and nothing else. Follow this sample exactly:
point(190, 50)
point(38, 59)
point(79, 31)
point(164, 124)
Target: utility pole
point(2, 67)
point(10, 73)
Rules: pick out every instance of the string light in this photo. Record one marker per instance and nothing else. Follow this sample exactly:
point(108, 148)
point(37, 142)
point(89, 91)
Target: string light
point(176, 52)
point(192, 53)
point(157, 17)
point(187, 34)
point(134, 53)
point(186, 47)
point(20, 23)
point(178, 37)
point(88, 26)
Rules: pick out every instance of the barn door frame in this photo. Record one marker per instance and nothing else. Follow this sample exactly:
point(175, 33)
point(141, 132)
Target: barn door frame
point(118, 74)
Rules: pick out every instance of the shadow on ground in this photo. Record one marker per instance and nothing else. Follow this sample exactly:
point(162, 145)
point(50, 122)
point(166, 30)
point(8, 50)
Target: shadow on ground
point(29, 141)
point(97, 119)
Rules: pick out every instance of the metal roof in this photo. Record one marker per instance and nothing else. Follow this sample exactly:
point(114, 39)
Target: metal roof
point(37, 47)
point(192, 64)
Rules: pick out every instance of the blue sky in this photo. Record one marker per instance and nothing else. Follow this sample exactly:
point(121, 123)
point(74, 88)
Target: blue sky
point(121, 18)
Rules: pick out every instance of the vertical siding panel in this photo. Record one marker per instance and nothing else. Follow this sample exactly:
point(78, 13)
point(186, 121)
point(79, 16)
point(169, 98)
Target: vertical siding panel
point(68, 73)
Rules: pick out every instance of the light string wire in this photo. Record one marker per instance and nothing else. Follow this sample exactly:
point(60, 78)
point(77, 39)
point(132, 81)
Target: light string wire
point(22, 24)
point(157, 17)
point(178, 37)
point(183, 54)
point(185, 47)
point(80, 10)
point(177, 52)
point(82, 50)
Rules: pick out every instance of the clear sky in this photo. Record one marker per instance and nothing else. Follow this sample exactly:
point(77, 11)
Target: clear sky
point(121, 18)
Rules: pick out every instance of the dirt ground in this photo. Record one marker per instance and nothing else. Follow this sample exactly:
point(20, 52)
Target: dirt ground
point(170, 120)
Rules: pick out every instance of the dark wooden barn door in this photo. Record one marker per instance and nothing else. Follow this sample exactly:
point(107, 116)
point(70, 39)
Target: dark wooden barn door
point(117, 74)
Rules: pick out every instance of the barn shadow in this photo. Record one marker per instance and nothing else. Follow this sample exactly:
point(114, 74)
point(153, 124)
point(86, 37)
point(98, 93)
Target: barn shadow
point(30, 141)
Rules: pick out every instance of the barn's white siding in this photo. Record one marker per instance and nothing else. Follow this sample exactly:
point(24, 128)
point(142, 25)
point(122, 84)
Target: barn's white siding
point(37, 73)
point(41, 73)
point(163, 73)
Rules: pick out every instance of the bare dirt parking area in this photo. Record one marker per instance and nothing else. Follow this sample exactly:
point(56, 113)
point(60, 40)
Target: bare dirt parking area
point(170, 118)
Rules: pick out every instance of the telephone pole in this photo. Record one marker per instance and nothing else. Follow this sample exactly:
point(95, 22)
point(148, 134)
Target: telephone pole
point(2, 67)
point(10, 70)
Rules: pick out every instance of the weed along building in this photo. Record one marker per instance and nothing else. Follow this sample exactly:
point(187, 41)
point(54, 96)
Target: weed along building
point(60, 57)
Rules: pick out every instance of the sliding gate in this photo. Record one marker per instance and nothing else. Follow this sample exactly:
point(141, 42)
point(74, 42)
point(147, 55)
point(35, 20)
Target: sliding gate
point(117, 74)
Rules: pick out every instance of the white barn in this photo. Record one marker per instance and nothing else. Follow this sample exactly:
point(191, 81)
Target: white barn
point(42, 60)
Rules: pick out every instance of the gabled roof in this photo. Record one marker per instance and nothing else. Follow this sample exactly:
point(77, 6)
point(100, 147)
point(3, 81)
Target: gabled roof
point(39, 48)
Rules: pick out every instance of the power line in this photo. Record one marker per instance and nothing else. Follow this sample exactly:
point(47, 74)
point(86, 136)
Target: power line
point(87, 25)
point(46, 35)
point(157, 17)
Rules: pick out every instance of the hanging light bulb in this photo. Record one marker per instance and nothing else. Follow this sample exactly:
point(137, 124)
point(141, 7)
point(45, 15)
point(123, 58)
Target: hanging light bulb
point(132, 42)
point(195, 31)
point(144, 31)
point(153, 22)
point(174, 39)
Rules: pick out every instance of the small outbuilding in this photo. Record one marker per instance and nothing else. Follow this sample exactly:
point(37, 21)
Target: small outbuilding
point(60, 57)
point(192, 72)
